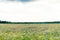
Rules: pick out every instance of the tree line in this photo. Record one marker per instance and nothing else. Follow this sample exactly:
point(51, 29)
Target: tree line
point(7, 22)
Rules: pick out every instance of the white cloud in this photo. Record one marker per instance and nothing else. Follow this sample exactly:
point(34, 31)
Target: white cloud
point(41, 10)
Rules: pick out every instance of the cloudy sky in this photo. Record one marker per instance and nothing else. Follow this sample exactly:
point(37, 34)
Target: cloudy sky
point(35, 11)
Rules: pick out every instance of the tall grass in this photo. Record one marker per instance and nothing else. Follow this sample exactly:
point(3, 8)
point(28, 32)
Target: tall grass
point(29, 31)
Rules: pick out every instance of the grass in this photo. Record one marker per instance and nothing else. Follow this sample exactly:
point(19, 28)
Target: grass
point(29, 31)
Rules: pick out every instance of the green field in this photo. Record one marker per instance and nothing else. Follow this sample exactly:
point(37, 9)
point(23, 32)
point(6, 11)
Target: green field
point(29, 31)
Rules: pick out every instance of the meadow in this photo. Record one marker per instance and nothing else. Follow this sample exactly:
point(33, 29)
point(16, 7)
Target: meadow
point(29, 31)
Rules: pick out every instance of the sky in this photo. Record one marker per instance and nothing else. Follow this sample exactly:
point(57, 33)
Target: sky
point(34, 11)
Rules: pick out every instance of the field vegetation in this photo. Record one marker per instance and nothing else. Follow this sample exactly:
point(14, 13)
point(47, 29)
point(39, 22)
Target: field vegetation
point(29, 31)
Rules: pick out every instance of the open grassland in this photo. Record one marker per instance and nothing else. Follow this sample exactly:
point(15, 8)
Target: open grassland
point(29, 31)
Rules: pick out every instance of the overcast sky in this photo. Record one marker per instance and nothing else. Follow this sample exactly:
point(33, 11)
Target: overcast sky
point(36, 11)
